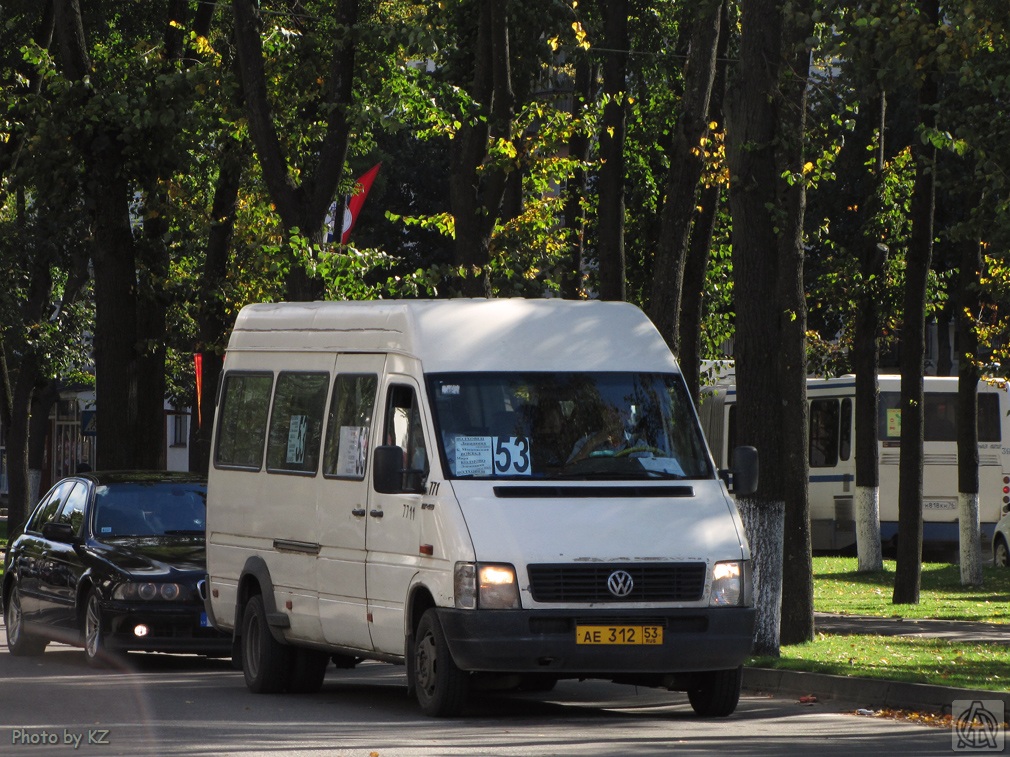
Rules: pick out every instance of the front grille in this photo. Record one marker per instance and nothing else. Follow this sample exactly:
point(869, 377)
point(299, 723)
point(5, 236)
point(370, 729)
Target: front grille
point(653, 582)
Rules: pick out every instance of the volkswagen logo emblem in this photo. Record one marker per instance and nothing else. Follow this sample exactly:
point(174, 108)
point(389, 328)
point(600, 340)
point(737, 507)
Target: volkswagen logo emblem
point(620, 583)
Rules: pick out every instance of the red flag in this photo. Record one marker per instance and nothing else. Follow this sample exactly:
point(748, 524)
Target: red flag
point(356, 200)
point(198, 368)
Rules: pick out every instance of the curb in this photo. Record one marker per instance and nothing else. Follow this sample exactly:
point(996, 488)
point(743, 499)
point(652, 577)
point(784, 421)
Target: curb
point(867, 692)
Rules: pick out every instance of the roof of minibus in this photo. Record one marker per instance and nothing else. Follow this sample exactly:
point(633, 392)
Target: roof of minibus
point(465, 334)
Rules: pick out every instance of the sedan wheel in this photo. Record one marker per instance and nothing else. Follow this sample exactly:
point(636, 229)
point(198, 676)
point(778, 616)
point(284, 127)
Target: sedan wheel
point(94, 635)
point(20, 642)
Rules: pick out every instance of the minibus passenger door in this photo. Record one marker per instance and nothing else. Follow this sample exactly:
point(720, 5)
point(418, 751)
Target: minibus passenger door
point(394, 516)
point(342, 513)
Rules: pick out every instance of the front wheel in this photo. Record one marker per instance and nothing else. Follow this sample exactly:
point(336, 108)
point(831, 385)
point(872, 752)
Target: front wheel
point(95, 649)
point(266, 662)
point(1000, 554)
point(20, 642)
point(441, 686)
point(717, 693)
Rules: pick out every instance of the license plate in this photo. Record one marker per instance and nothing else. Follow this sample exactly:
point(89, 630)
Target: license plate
point(619, 635)
point(942, 504)
point(204, 623)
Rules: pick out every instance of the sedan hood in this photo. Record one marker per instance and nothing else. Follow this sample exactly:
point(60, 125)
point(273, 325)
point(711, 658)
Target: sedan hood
point(153, 556)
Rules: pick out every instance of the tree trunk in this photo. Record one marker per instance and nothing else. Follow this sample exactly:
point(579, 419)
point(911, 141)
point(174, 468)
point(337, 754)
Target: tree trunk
point(967, 412)
point(692, 308)
point(572, 281)
point(610, 216)
point(214, 324)
point(913, 347)
point(872, 257)
point(16, 416)
point(476, 196)
point(117, 372)
point(797, 624)
point(702, 229)
point(123, 401)
point(686, 164)
point(303, 207)
point(754, 175)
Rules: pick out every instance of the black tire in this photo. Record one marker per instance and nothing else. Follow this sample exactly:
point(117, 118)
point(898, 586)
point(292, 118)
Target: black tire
point(441, 687)
point(717, 693)
point(1000, 553)
point(96, 652)
point(308, 669)
point(266, 663)
point(20, 642)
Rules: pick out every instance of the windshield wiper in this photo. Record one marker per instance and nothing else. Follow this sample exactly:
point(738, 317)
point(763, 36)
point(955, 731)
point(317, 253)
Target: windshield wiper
point(184, 532)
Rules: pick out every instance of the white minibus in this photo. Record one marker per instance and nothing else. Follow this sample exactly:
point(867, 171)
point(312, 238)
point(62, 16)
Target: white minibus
point(493, 493)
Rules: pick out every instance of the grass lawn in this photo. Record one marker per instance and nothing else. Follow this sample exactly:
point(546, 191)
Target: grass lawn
point(839, 588)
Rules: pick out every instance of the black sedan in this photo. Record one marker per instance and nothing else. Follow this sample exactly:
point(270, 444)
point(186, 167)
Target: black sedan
point(112, 562)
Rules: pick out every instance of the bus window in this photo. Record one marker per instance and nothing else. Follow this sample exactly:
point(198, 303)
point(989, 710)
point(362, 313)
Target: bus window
point(940, 417)
point(823, 433)
point(845, 435)
point(989, 426)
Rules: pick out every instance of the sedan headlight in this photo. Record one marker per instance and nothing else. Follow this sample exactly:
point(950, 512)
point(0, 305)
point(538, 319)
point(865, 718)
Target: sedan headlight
point(486, 585)
point(147, 591)
point(731, 584)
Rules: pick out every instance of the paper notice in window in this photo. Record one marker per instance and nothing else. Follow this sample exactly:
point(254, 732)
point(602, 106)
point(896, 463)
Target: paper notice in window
point(473, 456)
point(893, 423)
point(352, 451)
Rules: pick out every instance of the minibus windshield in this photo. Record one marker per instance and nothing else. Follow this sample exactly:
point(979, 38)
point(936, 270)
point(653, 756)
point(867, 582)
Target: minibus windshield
point(575, 425)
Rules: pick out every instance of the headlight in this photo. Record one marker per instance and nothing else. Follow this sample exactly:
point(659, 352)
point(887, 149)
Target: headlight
point(485, 585)
point(730, 584)
point(147, 591)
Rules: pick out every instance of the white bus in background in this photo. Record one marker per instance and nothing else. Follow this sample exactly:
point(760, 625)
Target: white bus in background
point(833, 464)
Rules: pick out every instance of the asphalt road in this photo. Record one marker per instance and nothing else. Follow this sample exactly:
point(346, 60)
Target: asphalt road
point(168, 705)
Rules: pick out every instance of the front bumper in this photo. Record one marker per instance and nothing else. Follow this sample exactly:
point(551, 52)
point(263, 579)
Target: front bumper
point(544, 641)
point(170, 628)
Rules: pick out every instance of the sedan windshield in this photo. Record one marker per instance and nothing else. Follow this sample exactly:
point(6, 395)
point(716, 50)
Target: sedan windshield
point(567, 425)
point(150, 509)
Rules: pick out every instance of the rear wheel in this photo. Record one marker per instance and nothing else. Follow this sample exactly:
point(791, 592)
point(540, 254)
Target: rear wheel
point(308, 669)
point(441, 687)
point(1000, 553)
point(20, 642)
point(266, 662)
point(717, 693)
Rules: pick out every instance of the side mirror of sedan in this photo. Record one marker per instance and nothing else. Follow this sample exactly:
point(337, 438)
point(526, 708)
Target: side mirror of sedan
point(61, 532)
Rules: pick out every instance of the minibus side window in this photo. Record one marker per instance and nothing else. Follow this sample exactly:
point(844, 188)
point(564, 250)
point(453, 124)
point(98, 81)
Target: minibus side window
point(296, 423)
point(403, 428)
point(348, 426)
point(245, 400)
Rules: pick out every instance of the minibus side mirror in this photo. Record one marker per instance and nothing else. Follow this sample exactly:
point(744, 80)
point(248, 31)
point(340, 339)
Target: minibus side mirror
point(390, 477)
point(745, 470)
point(387, 469)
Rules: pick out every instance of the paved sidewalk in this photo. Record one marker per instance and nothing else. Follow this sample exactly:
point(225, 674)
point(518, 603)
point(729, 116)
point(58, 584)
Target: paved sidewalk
point(953, 630)
point(874, 693)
